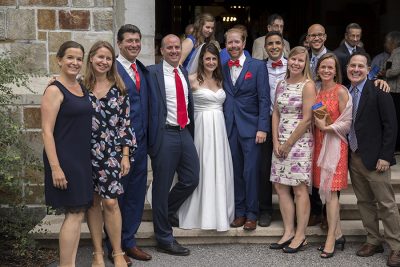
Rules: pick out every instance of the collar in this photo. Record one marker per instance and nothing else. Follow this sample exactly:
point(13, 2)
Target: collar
point(350, 48)
point(359, 86)
point(126, 63)
point(242, 58)
point(283, 59)
point(169, 68)
point(320, 54)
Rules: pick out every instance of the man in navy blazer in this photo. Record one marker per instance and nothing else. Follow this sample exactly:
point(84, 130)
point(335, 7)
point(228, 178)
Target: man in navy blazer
point(246, 110)
point(372, 140)
point(171, 146)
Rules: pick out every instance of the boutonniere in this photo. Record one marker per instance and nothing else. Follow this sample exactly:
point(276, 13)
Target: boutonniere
point(248, 75)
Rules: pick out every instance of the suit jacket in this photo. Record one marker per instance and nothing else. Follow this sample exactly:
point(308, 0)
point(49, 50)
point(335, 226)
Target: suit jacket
point(259, 52)
point(343, 55)
point(247, 102)
point(158, 106)
point(375, 126)
point(139, 102)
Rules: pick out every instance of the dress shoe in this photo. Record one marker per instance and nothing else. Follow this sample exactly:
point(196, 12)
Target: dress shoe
point(174, 249)
point(324, 223)
point(250, 225)
point(238, 222)
point(173, 221)
point(394, 259)
point(327, 255)
point(288, 249)
point(314, 220)
point(368, 250)
point(265, 220)
point(138, 254)
point(127, 259)
point(282, 245)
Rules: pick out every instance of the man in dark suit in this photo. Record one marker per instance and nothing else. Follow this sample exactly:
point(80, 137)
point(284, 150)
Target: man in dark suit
point(372, 140)
point(246, 110)
point(131, 203)
point(171, 146)
point(351, 44)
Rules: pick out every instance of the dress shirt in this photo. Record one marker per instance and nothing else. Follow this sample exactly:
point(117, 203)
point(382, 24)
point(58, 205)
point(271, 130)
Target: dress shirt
point(127, 66)
point(235, 71)
point(360, 87)
point(274, 76)
point(314, 66)
point(351, 49)
point(170, 92)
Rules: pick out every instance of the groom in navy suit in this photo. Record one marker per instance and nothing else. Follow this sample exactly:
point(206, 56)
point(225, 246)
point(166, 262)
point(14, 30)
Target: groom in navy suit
point(246, 110)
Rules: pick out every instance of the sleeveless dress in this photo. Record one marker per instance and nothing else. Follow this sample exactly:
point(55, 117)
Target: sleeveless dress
point(186, 62)
point(296, 168)
point(72, 133)
point(212, 204)
point(330, 99)
point(111, 130)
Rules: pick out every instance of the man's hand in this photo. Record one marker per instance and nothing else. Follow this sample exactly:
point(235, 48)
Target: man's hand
point(382, 165)
point(383, 85)
point(261, 137)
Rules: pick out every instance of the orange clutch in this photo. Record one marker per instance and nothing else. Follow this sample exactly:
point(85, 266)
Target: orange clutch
point(320, 111)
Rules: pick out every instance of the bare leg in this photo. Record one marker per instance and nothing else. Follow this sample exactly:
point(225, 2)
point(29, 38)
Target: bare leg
point(286, 207)
point(95, 223)
point(69, 238)
point(113, 223)
point(332, 212)
point(302, 213)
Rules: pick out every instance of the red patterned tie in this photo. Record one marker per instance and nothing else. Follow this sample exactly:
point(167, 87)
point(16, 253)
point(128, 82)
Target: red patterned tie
point(233, 63)
point(182, 117)
point(137, 77)
point(277, 64)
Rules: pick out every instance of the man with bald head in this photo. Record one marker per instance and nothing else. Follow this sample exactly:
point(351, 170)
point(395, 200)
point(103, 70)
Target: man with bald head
point(316, 37)
point(171, 147)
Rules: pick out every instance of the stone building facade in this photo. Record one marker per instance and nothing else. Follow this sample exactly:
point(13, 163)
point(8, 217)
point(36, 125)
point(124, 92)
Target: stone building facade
point(36, 28)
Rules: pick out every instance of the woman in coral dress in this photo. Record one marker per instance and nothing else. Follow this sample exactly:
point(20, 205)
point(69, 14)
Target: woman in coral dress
point(330, 154)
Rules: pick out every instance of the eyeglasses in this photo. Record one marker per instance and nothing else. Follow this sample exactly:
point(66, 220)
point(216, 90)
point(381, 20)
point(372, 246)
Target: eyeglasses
point(315, 35)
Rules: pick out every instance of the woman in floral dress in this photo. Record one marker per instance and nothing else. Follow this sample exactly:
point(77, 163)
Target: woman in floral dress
point(112, 144)
point(293, 146)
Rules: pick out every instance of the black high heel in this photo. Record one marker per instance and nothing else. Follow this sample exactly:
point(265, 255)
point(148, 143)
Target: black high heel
point(281, 246)
point(288, 249)
point(338, 242)
point(326, 255)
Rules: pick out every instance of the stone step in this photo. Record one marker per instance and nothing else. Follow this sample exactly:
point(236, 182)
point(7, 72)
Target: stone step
point(47, 233)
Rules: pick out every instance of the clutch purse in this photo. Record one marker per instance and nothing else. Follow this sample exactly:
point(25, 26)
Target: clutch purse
point(320, 111)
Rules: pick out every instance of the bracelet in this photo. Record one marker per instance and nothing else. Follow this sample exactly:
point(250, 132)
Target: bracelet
point(125, 155)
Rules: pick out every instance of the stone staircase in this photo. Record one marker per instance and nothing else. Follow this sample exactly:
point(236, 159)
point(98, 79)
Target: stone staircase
point(47, 231)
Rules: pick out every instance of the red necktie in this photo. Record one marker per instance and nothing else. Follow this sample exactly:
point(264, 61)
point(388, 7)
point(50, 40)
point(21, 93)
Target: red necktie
point(137, 77)
point(233, 63)
point(277, 64)
point(182, 118)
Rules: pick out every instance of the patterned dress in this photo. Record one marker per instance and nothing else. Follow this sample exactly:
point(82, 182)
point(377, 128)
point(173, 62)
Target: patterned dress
point(296, 168)
point(330, 99)
point(111, 130)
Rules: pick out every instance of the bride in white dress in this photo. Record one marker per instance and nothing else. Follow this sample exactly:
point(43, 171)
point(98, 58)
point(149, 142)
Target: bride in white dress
point(212, 204)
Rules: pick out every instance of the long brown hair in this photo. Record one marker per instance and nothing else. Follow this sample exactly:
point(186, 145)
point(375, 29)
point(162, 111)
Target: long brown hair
point(112, 74)
point(217, 73)
point(198, 29)
point(338, 75)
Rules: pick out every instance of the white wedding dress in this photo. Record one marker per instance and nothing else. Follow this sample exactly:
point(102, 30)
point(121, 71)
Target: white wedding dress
point(212, 204)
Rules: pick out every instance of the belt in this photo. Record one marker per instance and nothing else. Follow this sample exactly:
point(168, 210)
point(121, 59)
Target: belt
point(174, 127)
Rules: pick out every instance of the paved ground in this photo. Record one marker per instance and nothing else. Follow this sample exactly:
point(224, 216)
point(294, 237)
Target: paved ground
point(248, 255)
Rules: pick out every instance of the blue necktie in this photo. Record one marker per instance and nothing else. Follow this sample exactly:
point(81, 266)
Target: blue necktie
point(352, 135)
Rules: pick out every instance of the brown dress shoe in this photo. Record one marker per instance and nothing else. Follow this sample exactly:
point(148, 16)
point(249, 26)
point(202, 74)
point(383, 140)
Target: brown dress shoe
point(127, 259)
point(394, 259)
point(138, 254)
point(314, 220)
point(250, 225)
point(368, 250)
point(238, 222)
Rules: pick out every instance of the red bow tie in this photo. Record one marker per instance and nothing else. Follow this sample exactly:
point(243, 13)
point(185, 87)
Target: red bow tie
point(233, 63)
point(277, 64)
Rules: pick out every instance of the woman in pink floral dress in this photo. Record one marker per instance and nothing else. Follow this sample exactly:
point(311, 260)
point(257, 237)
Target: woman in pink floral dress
point(293, 147)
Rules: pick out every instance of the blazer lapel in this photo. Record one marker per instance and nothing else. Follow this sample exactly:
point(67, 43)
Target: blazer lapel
point(227, 75)
point(161, 85)
point(240, 79)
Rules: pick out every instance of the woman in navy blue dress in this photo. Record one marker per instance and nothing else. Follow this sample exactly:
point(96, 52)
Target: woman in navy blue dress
point(112, 144)
point(66, 128)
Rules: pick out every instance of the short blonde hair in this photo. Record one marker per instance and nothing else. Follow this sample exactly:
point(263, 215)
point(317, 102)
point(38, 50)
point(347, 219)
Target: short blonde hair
point(306, 71)
point(236, 30)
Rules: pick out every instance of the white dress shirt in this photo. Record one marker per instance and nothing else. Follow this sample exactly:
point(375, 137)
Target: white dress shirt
point(235, 71)
point(350, 48)
point(275, 75)
point(170, 92)
point(127, 66)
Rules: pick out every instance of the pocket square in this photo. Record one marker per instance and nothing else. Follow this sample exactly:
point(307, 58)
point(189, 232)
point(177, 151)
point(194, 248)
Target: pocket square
point(248, 75)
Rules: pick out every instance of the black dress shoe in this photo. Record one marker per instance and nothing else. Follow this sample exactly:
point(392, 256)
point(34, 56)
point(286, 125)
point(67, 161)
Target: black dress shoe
point(291, 250)
point(173, 221)
point(174, 249)
point(265, 220)
point(282, 245)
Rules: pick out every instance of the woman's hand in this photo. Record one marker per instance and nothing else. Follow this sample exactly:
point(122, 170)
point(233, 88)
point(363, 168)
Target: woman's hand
point(284, 149)
point(59, 179)
point(276, 149)
point(320, 123)
point(125, 165)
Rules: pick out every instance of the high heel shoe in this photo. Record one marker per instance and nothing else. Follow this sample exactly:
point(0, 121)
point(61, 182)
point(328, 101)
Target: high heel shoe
point(121, 253)
point(338, 242)
point(101, 264)
point(288, 249)
point(281, 246)
point(327, 255)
